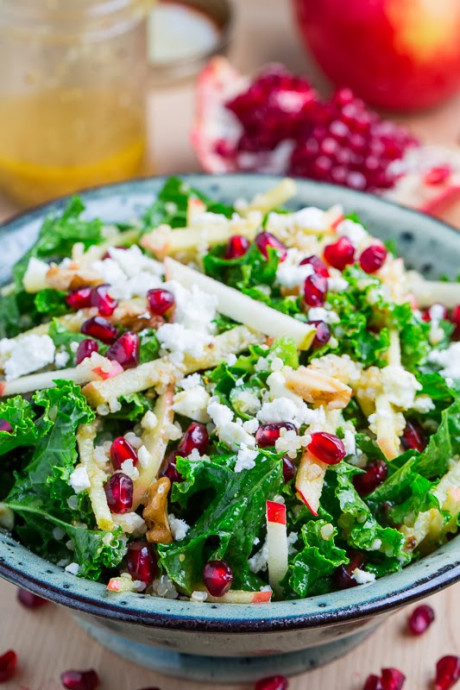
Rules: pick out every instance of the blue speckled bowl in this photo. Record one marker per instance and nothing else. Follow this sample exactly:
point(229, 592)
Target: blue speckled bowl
point(225, 642)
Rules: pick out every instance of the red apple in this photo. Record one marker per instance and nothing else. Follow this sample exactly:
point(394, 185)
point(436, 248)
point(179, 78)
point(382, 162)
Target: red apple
point(399, 54)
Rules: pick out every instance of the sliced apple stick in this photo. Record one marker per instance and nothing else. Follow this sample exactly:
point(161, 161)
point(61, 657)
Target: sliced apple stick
point(277, 544)
point(97, 251)
point(386, 426)
point(240, 596)
point(85, 439)
point(318, 388)
point(123, 583)
point(428, 292)
point(195, 207)
point(309, 481)
point(274, 198)
point(242, 308)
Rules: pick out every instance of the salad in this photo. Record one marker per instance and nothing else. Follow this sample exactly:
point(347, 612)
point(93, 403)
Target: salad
point(228, 404)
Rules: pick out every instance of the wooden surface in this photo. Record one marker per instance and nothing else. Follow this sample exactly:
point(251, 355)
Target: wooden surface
point(47, 640)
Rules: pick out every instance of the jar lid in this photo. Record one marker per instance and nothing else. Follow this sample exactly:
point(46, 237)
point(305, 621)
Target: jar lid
point(184, 34)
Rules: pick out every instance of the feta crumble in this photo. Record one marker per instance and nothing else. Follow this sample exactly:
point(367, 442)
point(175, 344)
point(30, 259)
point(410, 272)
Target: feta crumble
point(26, 355)
point(362, 577)
point(179, 528)
point(245, 459)
point(79, 479)
point(72, 568)
point(193, 403)
point(448, 360)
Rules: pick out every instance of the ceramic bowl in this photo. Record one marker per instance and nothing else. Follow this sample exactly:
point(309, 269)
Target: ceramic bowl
point(224, 642)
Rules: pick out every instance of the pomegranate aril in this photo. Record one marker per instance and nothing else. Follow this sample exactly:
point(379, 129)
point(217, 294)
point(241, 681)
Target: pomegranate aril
point(447, 672)
point(120, 451)
point(85, 349)
point(315, 290)
point(101, 299)
point(264, 240)
point(141, 562)
point(268, 434)
point(317, 264)
point(119, 492)
point(327, 447)
point(160, 301)
point(79, 298)
point(455, 318)
point(169, 468)
point(80, 680)
point(6, 426)
point(322, 335)
point(343, 575)
point(340, 253)
point(100, 328)
point(375, 474)
point(435, 313)
point(29, 600)
point(237, 246)
point(420, 619)
point(272, 683)
point(289, 469)
point(373, 682)
point(8, 665)
point(413, 437)
point(125, 350)
point(437, 175)
point(392, 679)
point(217, 577)
point(373, 258)
point(196, 436)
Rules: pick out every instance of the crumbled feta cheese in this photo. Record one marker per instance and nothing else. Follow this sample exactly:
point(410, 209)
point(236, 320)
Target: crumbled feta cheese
point(79, 480)
point(149, 421)
point(247, 401)
point(72, 568)
point(423, 404)
point(180, 340)
point(190, 381)
point(251, 426)
point(288, 442)
point(130, 523)
point(362, 577)
point(127, 467)
point(198, 597)
point(26, 355)
point(355, 232)
point(193, 403)
point(349, 441)
point(35, 275)
point(143, 456)
point(321, 314)
point(61, 359)
point(290, 274)
point(276, 364)
point(231, 359)
point(179, 528)
point(245, 459)
point(400, 386)
point(336, 283)
point(292, 538)
point(259, 561)
point(311, 218)
point(234, 436)
point(220, 414)
point(262, 364)
point(448, 359)
point(285, 410)
point(194, 309)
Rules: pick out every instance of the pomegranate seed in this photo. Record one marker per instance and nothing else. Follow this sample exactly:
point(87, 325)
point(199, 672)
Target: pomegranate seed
point(289, 469)
point(29, 600)
point(437, 175)
point(217, 577)
point(237, 246)
point(435, 313)
point(141, 562)
point(318, 265)
point(125, 350)
point(160, 301)
point(392, 679)
point(266, 239)
point(343, 575)
point(315, 290)
point(272, 683)
point(6, 426)
point(455, 318)
point(327, 447)
point(322, 335)
point(268, 434)
point(80, 680)
point(169, 468)
point(8, 665)
point(100, 328)
point(101, 299)
point(120, 451)
point(339, 254)
point(413, 437)
point(119, 491)
point(447, 672)
point(373, 683)
point(79, 298)
point(374, 475)
point(85, 349)
point(196, 436)
point(420, 619)
point(373, 258)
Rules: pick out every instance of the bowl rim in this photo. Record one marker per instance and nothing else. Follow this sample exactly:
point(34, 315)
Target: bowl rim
point(432, 573)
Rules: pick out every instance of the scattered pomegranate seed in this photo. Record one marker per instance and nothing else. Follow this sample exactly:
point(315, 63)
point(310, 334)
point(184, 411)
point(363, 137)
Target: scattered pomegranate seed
point(413, 437)
point(29, 600)
point(122, 450)
point(79, 298)
point(373, 258)
point(322, 335)
point(80, 680)
point(343, 575)
point(125, 350)
point(160, 301)
point(437, 175)
point(318, 265)
point(268, 434)
point(8, 665)
point(447, 672)
point(289, 468)
point(141, 562)
point(101, 299)
point(327, 447)
point(85, 349)
point(435, 312)
point(217, 577)
point(420, 619)
point(100, 328)
point(119, 491)
point(6, 426)
point(373, 682)
point(375, 474)
point(169, 468)
point(340, 254)
point(455, 318)
point(196, 436)
point(266, 239)
point(392, 679)
point(315, 290)
point(272, 683)
point(237, 246)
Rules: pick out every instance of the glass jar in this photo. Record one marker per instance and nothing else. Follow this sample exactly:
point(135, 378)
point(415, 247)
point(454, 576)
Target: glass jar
point(72, 94)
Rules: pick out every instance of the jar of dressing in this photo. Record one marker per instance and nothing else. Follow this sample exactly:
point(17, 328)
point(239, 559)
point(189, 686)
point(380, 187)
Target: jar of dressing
point(72, 91)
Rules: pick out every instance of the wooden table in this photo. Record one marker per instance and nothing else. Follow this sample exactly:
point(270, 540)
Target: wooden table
point(47, 640)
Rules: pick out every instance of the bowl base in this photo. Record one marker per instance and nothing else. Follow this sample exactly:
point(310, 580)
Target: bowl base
point(220, 669)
